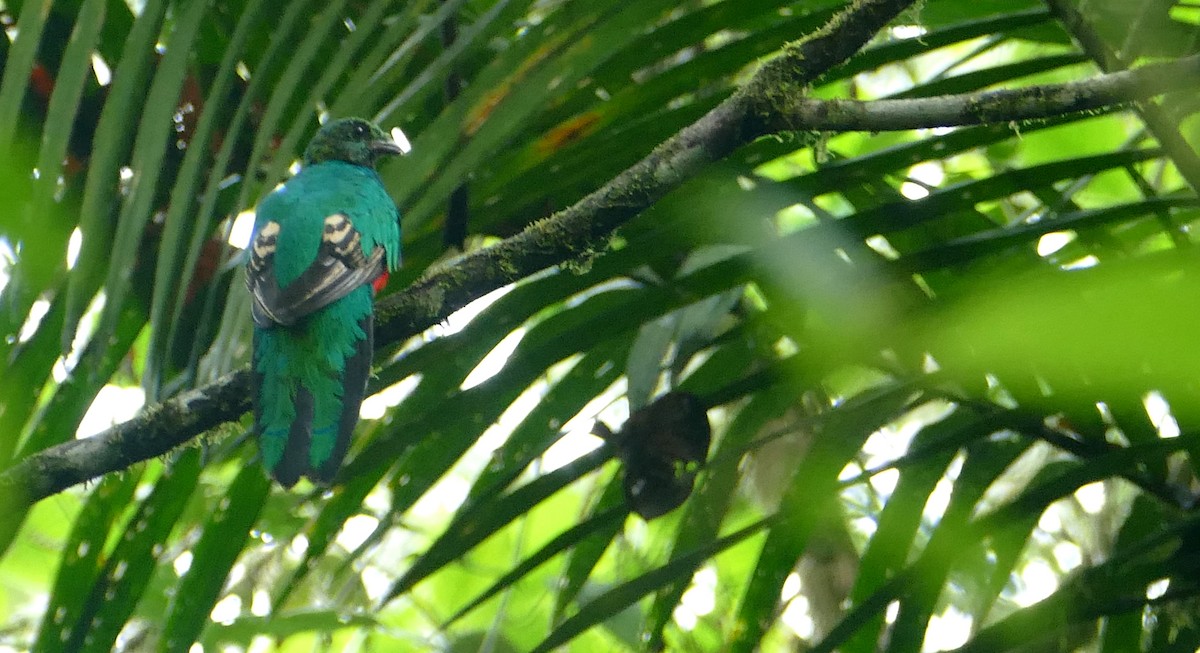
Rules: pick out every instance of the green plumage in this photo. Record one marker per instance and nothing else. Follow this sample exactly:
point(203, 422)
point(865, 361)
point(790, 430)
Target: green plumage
point(320, 241)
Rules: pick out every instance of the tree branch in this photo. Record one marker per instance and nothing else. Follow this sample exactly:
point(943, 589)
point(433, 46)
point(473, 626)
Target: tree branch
point(152, 433)
point(1030, 103)
point(583, 229)
point(771, 102)
point(1157, 120)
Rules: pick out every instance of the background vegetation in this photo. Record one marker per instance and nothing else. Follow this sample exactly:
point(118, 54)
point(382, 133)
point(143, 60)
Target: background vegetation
point(950, 372)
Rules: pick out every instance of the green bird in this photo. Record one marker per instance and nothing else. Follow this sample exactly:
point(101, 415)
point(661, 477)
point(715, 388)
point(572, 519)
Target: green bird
point(322, 246)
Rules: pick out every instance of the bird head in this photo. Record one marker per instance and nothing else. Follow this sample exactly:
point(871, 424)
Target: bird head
point(352, 140)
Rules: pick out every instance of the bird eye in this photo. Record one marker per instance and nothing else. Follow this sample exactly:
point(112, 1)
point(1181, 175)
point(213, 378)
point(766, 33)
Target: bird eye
point(360, 129)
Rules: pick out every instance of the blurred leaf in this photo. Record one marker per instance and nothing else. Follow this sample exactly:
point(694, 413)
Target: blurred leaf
point(220, 543)
point(112, 146)
point(619, 597)
point(122, 580)
point(84, 554)
point(243, 630)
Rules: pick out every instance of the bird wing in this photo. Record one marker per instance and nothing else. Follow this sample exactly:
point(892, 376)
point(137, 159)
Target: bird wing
point(340, 267)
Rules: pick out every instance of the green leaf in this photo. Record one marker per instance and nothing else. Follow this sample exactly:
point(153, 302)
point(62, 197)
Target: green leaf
point(182, 223)
point(220, 544)
point(127, 571)
point(18, 63)
point(584, 556)
point(806, 502)
point(561, 542)
point(616, 599)
point(488, 515)
point(899, 521)
point(243, 630)
point(83, 559)
point(110, 148)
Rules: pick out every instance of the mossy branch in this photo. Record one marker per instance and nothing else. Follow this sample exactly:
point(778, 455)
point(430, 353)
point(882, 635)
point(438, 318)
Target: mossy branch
point(154, 432)
point(586, 226)
point(797, 112)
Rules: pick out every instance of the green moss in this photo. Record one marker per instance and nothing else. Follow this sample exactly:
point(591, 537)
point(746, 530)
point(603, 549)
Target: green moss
point(775, 88)
point(581, 263)
point(433, 300)
point(507, 267)
point(553, 233)
point(223, 431)
point(548, 233)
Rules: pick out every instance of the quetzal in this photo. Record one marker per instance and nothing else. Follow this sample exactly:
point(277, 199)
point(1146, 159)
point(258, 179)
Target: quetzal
point(323, 244)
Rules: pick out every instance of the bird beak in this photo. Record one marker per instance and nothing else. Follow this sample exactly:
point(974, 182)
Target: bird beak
point(385, 147)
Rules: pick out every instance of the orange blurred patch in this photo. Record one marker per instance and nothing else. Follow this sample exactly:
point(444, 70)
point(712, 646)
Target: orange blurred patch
point(480, 112)
point(567, 132)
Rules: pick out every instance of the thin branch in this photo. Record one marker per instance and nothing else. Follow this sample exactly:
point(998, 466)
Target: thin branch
point(1009, 105)
point(1164, 128)
point(771, 102)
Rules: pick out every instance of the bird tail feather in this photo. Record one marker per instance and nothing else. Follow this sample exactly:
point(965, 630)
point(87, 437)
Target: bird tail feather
point(312, 439)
